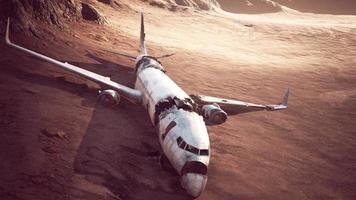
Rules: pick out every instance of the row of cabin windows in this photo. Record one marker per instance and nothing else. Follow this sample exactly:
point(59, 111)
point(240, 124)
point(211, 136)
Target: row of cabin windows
point(183, 145)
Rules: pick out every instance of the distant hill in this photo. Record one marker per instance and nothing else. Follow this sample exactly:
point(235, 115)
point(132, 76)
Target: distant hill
point(340, 7)
point(250, 6)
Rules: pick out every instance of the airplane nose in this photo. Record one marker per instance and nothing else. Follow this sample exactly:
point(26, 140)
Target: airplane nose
point(194, 178)
point(194, 183)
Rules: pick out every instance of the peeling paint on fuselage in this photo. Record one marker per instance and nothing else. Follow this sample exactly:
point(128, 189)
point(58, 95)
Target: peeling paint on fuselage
point(156, 86)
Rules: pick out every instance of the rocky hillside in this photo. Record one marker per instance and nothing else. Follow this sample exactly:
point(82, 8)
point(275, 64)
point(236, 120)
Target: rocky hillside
point(174, 5)
point(236, 6)
point(25, 13)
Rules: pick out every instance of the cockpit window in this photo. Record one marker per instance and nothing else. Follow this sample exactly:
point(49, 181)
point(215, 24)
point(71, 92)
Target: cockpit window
point(194, 167)
point(183, 145)
point(179, 140)
point(170, 126)
point(204, 152)
point(192, 149)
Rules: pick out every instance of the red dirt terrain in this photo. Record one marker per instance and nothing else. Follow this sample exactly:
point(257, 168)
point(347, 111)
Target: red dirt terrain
point(57, 143)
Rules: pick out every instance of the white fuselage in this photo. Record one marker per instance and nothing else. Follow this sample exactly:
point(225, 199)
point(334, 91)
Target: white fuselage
point(181, 132)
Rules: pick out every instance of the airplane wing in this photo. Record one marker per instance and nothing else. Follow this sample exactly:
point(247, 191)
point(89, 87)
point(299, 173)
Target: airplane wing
point(134, 58)
point(233, 107)
point(121, 54)
point(130, 94)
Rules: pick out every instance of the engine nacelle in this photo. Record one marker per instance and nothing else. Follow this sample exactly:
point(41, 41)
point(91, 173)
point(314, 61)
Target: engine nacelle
point(213, 114)
point(109, 98)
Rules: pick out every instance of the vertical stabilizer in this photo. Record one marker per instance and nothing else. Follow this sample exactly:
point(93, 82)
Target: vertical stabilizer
point(143, 50)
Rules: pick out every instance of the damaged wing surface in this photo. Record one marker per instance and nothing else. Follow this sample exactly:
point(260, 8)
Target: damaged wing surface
point(232, 107)
point(129, 93)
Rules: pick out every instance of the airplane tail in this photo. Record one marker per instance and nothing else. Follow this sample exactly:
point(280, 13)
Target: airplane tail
point(142, 47)
point(143, 50)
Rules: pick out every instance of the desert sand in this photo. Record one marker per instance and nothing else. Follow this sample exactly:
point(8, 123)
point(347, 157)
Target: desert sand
point(57, 143)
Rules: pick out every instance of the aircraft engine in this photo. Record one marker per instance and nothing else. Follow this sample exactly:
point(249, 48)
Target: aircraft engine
point(109, 98)
point(213, 114)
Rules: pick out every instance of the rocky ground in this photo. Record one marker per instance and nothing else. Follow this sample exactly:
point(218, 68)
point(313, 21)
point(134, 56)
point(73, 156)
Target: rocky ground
point(57, 143)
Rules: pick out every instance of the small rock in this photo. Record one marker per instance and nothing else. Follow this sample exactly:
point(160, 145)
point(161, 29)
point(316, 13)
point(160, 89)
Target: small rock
point(29, 90)
point(47, 133)
point(109, 2)
point(249, 25)
point(37, 180)
point(49, 150)
point(99, 38)
point(61, 134)
point(52, 133)
point(159, 4)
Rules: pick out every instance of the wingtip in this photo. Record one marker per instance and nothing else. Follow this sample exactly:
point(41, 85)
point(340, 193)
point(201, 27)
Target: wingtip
point(7, 35)
point(285, 98)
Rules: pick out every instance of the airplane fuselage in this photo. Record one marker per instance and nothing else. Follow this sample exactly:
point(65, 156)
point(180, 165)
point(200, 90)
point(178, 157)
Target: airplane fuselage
point(181, 131)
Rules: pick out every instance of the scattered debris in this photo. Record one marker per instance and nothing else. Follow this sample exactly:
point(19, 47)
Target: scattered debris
point(52, 133)
point(29, 90)
point(61, 135)
point(99, 38)
point(49, 150)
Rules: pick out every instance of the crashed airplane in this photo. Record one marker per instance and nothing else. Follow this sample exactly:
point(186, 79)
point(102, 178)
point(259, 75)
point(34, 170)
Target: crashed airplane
point(180, 118)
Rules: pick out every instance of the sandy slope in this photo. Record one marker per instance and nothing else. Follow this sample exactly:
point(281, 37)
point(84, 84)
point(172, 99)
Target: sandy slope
point(305, 152)
point(340, 7)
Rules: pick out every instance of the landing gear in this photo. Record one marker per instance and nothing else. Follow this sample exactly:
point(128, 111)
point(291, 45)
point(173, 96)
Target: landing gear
point(166, 165)
point(163, 161)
